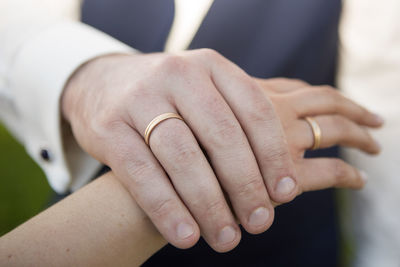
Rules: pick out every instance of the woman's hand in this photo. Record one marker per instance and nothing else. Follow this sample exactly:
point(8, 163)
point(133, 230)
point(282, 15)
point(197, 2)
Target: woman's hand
point(342, 122)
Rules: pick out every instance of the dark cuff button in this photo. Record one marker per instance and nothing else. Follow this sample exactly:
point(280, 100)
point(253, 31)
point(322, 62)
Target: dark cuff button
point(45, 155)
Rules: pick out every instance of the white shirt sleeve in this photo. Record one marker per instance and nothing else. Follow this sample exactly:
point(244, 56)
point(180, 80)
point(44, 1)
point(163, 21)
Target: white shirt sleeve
point(370, 73)
point(42, 42)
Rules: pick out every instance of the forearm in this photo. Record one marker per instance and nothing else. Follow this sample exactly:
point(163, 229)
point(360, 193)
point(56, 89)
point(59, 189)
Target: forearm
point(100, 225)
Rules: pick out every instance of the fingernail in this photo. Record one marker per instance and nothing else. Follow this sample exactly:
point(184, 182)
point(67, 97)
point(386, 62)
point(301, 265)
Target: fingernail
point(184, 230)
point(379, 119)
point(259, 217)
point(285, 186)
point(364, 176)
point(226, 235)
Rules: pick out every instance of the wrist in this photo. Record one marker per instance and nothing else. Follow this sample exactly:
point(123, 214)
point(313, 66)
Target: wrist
point(84, 76)
point(70, 93)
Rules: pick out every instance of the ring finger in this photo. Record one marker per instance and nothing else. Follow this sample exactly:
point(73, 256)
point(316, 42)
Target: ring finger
point(174, 145)
point(335, 130)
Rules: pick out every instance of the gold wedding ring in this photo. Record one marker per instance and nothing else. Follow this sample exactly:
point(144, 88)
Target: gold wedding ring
point(157, 120)
point(316, 132)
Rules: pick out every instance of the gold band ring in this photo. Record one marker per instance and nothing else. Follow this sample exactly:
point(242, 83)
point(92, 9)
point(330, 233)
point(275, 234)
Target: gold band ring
point(157, 120)
point(316, 132)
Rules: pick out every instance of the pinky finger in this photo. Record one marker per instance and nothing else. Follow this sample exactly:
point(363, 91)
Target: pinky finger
point(323, 173)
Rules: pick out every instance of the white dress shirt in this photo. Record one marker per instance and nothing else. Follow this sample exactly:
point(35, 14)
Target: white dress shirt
point(42, 42)
point(370, 73)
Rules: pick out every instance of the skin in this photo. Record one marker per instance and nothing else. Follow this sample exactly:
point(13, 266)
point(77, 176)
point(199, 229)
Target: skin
point(101, 225)
point(110, 100)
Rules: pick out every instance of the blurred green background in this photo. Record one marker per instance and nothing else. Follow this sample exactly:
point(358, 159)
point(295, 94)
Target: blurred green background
point(24, 190)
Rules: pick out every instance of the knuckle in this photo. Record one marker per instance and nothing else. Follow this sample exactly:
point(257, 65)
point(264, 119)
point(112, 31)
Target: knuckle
point(331, 95)
point(111, 122)
point(250, 186)
point(227, 132)
point(341, 124)
point(209, 53)
point(105, 123)
point(136, 173)
point(260, 107)
point(97, 124)
point(170, 132)
point(324, 90)
point(339, 171)
point(261, 112)
point(163, 208)
point(173, 65)
point(212, 102)
point(216, 207)
point(139, 170)
point(186, 152)
point(278, 160)
point(327, 89)
point(181, 148)
point(275, 152)
point(299, 82)
point(136, 93)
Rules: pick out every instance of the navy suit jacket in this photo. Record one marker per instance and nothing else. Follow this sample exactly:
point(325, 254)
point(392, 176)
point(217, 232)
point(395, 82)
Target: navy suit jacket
point(267, 38)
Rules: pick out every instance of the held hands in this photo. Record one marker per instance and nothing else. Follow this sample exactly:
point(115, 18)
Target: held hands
point(110, 101)
point(342, 122)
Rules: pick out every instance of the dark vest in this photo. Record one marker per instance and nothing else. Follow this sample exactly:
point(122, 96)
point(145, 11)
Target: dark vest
point(267, 38)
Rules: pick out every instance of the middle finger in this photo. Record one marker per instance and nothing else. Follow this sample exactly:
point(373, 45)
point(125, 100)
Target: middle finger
point(230, 154)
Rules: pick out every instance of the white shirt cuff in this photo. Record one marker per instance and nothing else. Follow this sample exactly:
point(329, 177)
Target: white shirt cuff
point(38, 75)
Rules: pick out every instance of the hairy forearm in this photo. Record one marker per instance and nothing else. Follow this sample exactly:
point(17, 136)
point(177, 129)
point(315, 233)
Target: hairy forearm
point(100, 225)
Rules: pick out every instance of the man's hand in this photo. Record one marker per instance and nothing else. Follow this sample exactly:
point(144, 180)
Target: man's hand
point(109, 102)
